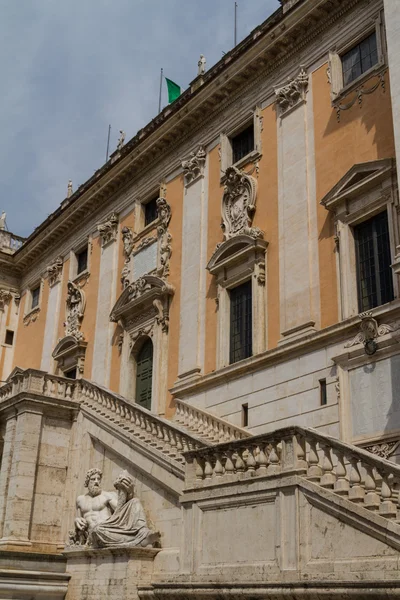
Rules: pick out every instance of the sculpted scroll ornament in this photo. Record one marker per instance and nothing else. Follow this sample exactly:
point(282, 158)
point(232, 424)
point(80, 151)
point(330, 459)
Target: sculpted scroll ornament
point(193, 167)
point(165, 238)
point(110, 519)
point(369, 332)
point(239, 204)
point(384, 450)
point(5, 297)
point(54, 271)
point(108, 229)
point(292, 93)
point(75, 311)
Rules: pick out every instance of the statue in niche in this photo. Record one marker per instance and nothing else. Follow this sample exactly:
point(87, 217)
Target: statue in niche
point(107, 519)
point(75, 308)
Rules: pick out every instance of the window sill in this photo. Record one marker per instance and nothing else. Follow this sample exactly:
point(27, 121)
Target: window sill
point(84, 275)
point(377, 69)
point(251, 157)
point(32, 315)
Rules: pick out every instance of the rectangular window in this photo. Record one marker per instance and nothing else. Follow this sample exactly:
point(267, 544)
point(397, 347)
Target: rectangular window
point(374, 273)
point(360, 59)
point(245, 415)
point(82, 261)
point(322, 392)
point(243, 143)
point(35, 295)
point(150, 211)
point(9, 339)
point(71, 374)
point(241, 331)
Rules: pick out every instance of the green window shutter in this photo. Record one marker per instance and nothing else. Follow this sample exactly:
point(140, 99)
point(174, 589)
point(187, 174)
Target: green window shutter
point(144, 375)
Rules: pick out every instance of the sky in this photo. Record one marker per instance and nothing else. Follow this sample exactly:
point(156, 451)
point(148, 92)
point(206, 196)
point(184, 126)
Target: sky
point(69, 69)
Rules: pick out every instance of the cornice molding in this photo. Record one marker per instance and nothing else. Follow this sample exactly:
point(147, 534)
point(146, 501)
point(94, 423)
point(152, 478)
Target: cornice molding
point(261, 53)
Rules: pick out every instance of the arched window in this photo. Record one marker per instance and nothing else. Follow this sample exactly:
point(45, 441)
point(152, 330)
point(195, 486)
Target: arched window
point(144, 374)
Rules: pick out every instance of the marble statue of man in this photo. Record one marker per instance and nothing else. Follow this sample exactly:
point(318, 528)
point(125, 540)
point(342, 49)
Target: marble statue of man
point(107, 519)
point(201, 65)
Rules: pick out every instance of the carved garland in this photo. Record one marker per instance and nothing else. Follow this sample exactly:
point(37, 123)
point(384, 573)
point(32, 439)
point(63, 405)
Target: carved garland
point(359, 92)
point(239, 204)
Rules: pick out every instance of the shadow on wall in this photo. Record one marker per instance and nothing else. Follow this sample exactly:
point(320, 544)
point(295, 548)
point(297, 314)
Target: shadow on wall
point(393, 414)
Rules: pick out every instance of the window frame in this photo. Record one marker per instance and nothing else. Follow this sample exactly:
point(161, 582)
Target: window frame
point(226, 152)
point(338, 89)
point(232, 360)
point(34, 289)
point(352, 205)
point(140, 213)
point(74, 275)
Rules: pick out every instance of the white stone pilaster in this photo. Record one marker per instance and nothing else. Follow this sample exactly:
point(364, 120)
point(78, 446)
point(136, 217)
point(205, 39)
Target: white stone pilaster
point(50, 330)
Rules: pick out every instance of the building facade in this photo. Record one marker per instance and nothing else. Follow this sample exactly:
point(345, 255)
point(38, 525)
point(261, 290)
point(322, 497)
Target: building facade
point(247, 295)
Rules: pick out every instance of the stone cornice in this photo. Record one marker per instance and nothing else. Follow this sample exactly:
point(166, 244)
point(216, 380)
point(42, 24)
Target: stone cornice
point(263, 51)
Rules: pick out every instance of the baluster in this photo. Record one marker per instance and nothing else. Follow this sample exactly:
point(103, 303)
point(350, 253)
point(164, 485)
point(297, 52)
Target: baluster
point(262, 461)
point(356, 492)
point(342, 485)
point(68, 392)
point(240, 466)
point(46, 387)
point(388, 507)
point(160, 436)
point(173, 443)
point(143, 427)
point(178, 413)
point(199, 469)
point(273, 460)
point(117, 411)
point(53, 387)
point(166, 439)
point(229, 467)
point(314, 470)
point(250, 460)
point(218, 469)
point(301, 453)
point(328, 478)
point(208, 470)
point(371, 500)
point(179, 444)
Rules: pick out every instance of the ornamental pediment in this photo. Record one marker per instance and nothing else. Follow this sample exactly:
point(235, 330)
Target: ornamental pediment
point(139, 295)
point(235, 249)
point(359, 178)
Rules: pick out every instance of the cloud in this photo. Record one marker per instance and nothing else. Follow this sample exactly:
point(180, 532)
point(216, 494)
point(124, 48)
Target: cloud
point(71, 68)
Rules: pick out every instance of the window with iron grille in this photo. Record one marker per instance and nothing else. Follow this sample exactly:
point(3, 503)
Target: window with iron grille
point(360, 59)
point(144, 375)
point(35, 295)
point(82, 261)
point(241, 331)
point(150, 211)
point(242, 143)
point(374, 274)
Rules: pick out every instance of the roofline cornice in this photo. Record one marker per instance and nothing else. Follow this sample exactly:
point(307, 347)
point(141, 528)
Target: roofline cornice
point(264, 50)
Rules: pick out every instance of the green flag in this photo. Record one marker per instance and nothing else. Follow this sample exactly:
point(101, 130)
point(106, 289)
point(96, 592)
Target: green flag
point(174, 90)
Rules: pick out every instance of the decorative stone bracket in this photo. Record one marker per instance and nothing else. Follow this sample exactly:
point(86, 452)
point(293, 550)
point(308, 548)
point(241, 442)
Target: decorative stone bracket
point(5, 297)
point(193, 167)
point(54, 271)
point(291, 94)
point(108, 229)
point(369, 332)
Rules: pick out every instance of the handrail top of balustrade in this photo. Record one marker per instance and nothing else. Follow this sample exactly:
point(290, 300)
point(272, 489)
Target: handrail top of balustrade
point(345, 449)
point(241, 430)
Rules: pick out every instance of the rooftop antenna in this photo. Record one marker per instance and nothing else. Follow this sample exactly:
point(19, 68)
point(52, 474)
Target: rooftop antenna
point(236, 6)
point(108, 142)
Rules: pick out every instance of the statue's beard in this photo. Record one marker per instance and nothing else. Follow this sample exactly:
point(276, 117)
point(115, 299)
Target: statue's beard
point(94, 490)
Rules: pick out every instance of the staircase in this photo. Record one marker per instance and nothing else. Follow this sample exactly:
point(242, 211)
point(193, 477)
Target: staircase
point(191, 429)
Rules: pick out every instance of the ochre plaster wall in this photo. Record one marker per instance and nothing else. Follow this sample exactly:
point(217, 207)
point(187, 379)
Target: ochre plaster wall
point(362, 134)
point(174, 197)
point(29, 343)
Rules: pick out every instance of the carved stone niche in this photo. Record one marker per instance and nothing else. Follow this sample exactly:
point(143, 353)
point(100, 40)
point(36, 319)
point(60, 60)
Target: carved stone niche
point(235, 261)
point(142, 311)
point(69, 354)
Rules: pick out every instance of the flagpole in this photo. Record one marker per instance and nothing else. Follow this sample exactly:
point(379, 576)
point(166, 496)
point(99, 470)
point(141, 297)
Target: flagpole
point(235, 38)
point(159, 98)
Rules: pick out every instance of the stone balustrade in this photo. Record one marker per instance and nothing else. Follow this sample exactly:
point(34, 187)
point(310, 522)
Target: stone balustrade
point(169, 438)
point(348, 471)
point(159, 433)
point(213, 429)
